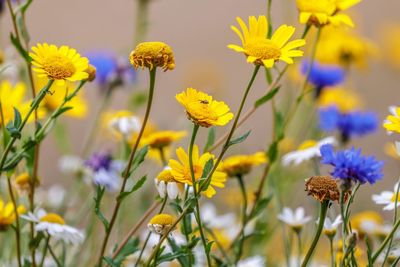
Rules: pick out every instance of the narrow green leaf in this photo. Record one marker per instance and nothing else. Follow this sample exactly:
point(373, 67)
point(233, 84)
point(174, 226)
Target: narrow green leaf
point(261, 205)
point(239, 139)
point(139, 158)
point(61, 111)
point(170, 256)
point(264, 99)
point(136, 187)
point(110, 262)
point(14, 132)
point(97, 200)
point(19, 48)
point(17, 118)
point(210, 139)
point(130, 247)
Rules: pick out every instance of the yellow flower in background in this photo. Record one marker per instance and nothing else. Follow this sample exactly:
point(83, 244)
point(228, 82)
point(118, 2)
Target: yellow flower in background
point(181, 170)
point(13, 97)
point(7, 214)
point(242, 164)
point(345, 48)
point(59, 64)
point(366, 222)
point(345, 100)
point(392, 122)
point(263, 51)
point(58, 92)
point(391, 44)
point(161, 139)
point(323, 12)
point(203, 110)
point(358, 253)
point(152, 55)
point(391, 150)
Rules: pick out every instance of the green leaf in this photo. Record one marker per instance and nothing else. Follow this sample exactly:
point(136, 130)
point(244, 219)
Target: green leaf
point(136, 187)
point(14, 132)
point(171, 256)
point(23, 7)
point(279, 125)
point(261, 205)
point(176, 249)
point(17, 118)
point(138, 99)
point(61, 111)
point(130, 247)
point(209, 246)
point(273, 151)
point(264, 99)
point(210, 139)
point(97, 200)
point(35, 242)
point(111, 262)
point(206, 171)
point(20, 48)
point(239, 139)
point(139, 158)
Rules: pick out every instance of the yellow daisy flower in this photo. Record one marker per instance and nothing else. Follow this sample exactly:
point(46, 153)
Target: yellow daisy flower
point(242, 164)
point(345, 100)
point(203, 110)
point(181, 170)
point(322, 12)
point(59, 64)
point(13, 97)
point(263, 51)
point(7, 214)
point(392, 122)
point(366, 222)
point(161, 139)
point(152, 55)
point(58, 92)
point(161, 223)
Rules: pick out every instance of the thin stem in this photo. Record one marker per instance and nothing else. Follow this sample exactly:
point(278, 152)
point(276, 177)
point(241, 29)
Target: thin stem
point(298, 235)
point(162, 156)
point(244, 217)
point(44, 252)
point(344, 224)
point(141, 21)
point(17, 225)
point(322, 216)
point(53, 255)
point(332, 254)
point(385, 242)
point(219, 245)
point(194, 183)
point(129, 165)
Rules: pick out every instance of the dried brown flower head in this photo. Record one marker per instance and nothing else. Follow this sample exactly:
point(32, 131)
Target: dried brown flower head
point(322, 188)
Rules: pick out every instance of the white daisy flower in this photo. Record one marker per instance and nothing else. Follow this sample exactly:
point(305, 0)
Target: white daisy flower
point(51, 197)
point(307, 150)
point(387, 198)
point(295, 219)
point(70, 164)
point(166, 184)
point(55, 226)
point(330, 227)
point(126, 125)
point(254, 261)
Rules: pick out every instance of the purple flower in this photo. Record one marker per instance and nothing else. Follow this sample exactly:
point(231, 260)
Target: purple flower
point(350, 165)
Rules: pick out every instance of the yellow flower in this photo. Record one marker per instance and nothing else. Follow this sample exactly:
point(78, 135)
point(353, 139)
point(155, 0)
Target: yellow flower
point(58, 92)
point(13, 97)
point(366, 222)
point(322, 12)
point(242, 164)
point(161, 139)
point(344, 47)
point(392, 122)
point(23, 182)
point(181, 170)
point(203, 110)
point(263, 51)
point(160, 223)
point(7, 214)
point(344, 100)
point(152, 55)
point(59, 64)
point(391, 150)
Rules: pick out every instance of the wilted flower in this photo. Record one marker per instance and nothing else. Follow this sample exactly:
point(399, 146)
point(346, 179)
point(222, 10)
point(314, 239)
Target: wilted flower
point(203, 110)
point(343, 99)
point(7, 214)
point(59, 64)
point(242, 164)
point(388, 198)
point(392, 122)
point(261, 50)
point(307, 150)
point(349, 165)
point(295, 219)
point(166, 184)
point(322, 188)
point(152, 55)
point(54, 225)
point(161, 223)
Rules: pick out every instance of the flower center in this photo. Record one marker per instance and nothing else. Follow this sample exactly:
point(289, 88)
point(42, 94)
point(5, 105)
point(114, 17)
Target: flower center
point(166, 176)
point(58, 67)
point(262, 49)
point(394, 198)
point(52, 218)
point(317, 6)
point(162, 219)
point(307, 144)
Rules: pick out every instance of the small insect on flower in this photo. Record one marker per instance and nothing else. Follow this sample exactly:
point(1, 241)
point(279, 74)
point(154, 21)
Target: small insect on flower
point(261, 50)
point(295, 219)
point(7, 214)
point(330, 227)
point(307, 150)
point(181, 170)
point(166, 184)
point(160, 224)
point(392, 122)
point(388, 198)
point(59, 64)
point(152, 55)
point(203, 110)
point(54, 225)
point(322, 188)
point(242, 164)
point(322, 12)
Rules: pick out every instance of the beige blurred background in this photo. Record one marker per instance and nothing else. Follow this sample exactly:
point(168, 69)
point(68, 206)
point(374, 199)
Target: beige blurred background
point(198, 31)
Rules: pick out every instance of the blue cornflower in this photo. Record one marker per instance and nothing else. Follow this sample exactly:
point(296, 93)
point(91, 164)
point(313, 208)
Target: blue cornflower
point(323, 75)
point(104, 171)
point(351, 166)
point(349, 124)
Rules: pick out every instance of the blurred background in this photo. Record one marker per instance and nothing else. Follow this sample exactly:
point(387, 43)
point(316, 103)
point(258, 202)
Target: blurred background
point(198, 32)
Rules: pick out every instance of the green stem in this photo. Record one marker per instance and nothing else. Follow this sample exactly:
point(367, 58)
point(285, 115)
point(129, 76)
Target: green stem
point(385, 242)
point(53, 255)
point(162, 156)
point(322, 216)
point(244, 218)
point(299, 246)
point(344, 218)
point(44, 252)
point(332, 254)
point(129, 166)
point(17, 226)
